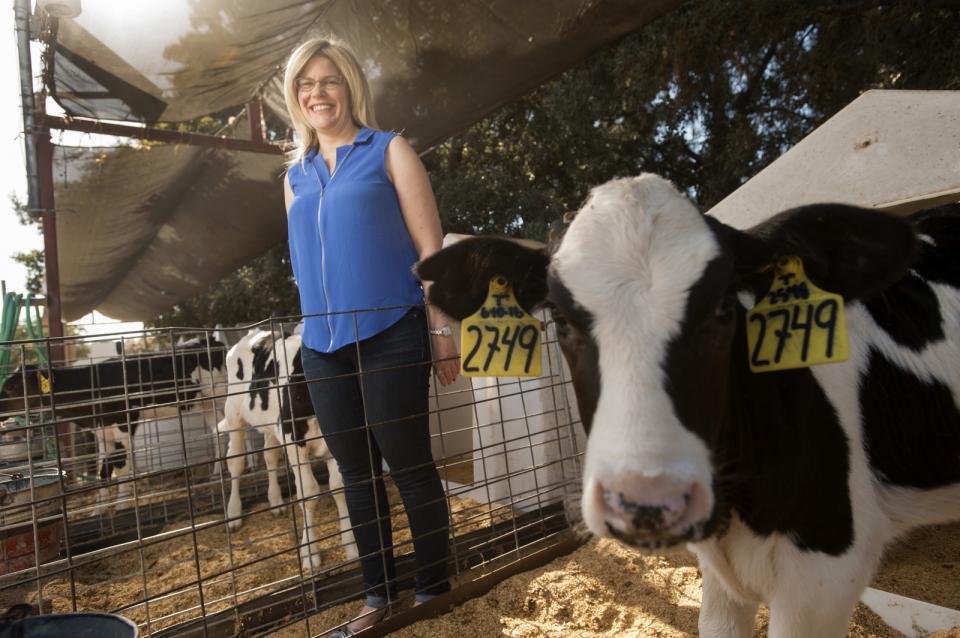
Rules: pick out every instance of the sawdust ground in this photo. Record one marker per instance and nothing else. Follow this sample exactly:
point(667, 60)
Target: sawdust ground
point(157, 583)
point(602, 589)
point(605, 589)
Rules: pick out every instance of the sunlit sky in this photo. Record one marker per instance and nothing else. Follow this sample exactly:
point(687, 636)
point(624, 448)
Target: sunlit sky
point(13, 179)
point(13, 237)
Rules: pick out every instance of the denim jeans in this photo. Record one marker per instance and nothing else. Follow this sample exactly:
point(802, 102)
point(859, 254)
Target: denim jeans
point(371, 401)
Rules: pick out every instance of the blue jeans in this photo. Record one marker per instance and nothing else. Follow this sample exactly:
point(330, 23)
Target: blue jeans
point(371, 401)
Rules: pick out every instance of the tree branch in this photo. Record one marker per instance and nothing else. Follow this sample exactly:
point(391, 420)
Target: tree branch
point(855, 8)
point(743, 99)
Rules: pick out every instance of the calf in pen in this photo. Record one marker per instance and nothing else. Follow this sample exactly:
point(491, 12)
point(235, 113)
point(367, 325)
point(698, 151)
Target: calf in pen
point(267, 391)
point(110, 397)
point(177, 566)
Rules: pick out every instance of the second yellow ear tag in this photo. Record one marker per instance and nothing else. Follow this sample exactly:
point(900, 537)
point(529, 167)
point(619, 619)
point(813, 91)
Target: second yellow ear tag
point(44, 384)
point(500, 339)
point(796, 324)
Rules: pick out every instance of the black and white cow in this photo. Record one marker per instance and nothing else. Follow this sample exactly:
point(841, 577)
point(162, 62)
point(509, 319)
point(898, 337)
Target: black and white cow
point(267, 391)
point(113, 396)
point(787, 485)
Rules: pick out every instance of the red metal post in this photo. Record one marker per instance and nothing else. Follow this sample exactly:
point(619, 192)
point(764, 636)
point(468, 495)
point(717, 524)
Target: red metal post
point(51, 262)
point(51, 258)
point(254, 115)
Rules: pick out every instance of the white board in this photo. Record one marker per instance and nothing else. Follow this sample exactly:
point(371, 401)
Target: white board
point(897, 150)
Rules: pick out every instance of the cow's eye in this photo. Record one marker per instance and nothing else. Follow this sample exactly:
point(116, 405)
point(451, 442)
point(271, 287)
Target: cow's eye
point(725, 310)
point(561, 324)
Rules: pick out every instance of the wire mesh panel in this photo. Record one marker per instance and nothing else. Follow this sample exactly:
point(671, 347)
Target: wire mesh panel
point(181, 479)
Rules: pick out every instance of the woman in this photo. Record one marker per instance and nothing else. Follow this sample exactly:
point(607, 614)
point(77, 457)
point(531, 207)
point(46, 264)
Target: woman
point(360, 213)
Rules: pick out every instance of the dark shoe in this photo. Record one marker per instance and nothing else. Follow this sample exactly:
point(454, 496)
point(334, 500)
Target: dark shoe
point(364, 621)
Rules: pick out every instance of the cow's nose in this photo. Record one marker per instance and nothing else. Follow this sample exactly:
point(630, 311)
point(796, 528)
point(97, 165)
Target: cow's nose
point(653, 510)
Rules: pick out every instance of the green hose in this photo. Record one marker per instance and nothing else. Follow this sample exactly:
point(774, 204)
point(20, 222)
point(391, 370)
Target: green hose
point(11, 314)
point(8, 327)
point(38, 334)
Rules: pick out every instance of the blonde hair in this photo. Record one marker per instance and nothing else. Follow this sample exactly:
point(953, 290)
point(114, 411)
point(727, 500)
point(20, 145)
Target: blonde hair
point(358, 91)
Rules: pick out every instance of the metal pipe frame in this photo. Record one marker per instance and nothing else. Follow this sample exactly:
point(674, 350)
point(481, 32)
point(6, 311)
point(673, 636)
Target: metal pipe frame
point(21, 10)
point(39, 162)
point(159, 135)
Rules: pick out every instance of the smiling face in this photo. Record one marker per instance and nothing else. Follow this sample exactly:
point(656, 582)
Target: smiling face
point(323, 96)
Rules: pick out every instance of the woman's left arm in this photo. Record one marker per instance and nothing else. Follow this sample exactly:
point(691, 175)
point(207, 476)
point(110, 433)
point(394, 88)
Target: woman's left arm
point(422, 219)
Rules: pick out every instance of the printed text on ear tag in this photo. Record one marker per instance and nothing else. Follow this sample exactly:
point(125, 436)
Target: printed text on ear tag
point(500, 339)
point(796, 324)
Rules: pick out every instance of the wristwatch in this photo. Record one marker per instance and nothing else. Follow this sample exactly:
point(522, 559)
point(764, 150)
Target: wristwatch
point(444, 331)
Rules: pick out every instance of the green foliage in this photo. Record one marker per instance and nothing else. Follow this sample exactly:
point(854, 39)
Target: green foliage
point(24, 216)
point(707, 96)
point(33, 261)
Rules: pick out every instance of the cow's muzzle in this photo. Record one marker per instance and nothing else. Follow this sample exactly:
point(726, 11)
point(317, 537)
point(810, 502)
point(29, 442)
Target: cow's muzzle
point(652, 512)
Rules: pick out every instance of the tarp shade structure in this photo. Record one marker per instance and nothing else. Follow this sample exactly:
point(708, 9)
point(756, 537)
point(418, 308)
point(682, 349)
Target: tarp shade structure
point(141, 228)
point(435, 67)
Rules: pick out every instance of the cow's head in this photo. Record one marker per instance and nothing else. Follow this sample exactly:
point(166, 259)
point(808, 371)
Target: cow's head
point(646, 294)
point(202, 361)
point(20, 389)
point(205, 352)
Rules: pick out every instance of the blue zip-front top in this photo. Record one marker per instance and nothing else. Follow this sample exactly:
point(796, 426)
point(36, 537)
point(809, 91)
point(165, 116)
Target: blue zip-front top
point(349, 246)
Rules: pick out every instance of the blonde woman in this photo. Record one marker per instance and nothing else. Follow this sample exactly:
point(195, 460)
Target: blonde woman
point(360, 213)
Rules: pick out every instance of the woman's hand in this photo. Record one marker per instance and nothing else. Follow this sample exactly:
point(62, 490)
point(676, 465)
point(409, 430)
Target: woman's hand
point(446, 359)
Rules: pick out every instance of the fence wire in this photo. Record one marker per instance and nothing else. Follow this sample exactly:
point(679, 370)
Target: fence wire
point(118, 493)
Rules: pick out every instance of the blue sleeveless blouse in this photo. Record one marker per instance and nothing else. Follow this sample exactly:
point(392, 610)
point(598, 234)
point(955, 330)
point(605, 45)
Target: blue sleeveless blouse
point(349, 246)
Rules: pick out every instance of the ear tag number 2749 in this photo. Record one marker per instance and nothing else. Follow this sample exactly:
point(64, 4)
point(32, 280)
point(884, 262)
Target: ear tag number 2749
point(796, 324)
point(500, 339)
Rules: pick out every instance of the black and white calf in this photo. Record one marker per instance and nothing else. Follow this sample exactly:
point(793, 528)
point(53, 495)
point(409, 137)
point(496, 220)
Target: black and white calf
point(267, 391)
point(112, 397)
point(787, 485)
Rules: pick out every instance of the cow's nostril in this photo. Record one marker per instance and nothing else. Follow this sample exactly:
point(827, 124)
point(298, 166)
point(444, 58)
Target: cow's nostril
point(651, 509)
point(650, 517)
point(644, 515)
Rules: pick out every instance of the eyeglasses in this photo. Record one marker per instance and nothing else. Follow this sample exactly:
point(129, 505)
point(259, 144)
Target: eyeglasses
point(330, 83)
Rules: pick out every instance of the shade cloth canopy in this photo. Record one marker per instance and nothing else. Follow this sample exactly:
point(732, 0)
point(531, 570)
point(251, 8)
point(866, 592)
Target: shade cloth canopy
point(142, 228)
point(158, 226)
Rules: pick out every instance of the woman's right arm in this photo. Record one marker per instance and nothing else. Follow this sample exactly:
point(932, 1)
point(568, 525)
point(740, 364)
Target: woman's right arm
point(287, 192)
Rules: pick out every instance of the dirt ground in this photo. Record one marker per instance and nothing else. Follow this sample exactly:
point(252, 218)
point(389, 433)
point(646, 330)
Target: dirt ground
point(605, 589)
point(156, 585)
point(602, 589)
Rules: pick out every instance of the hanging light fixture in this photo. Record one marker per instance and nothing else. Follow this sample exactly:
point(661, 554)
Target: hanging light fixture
point(60, 8)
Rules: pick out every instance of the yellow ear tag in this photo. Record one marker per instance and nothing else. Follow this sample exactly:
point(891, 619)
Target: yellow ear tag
point(796, 324)
point(44, 383)
point(500, 339)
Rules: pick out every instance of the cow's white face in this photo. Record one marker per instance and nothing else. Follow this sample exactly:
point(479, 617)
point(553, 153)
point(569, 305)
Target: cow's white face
point(620, 285)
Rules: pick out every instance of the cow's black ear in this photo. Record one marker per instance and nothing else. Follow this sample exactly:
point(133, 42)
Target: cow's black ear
point(752, 257)
point(855, 252)
point(460, 274)
point(558, 229)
